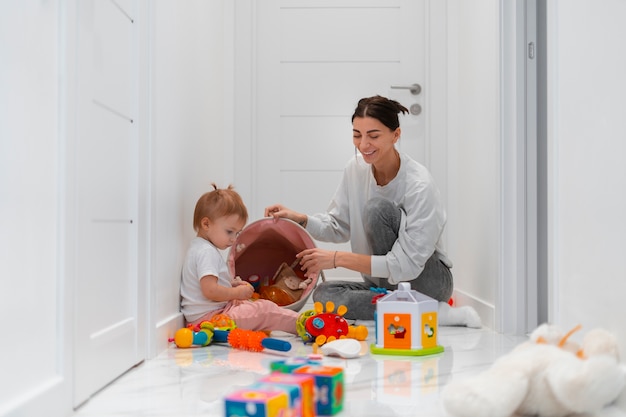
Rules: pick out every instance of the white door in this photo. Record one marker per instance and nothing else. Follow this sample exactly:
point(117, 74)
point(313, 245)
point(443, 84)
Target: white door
point(105, 256)
point(313, 60)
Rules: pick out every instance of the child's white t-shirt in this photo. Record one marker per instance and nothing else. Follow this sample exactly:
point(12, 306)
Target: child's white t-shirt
point(202, 259)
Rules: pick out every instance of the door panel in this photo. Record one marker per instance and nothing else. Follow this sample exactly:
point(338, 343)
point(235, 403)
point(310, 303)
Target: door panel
point(314, 60)
point(413, 140)
point(315, 136)
point(296, 188)
point(105, 256)
point(319, 89)
point(339, 34)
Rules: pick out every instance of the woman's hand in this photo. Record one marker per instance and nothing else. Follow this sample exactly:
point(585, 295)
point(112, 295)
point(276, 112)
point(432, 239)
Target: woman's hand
point(313, 261)
point(279, 211)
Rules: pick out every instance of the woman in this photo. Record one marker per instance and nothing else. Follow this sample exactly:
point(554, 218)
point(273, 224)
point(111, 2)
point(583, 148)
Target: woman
point(389, 207)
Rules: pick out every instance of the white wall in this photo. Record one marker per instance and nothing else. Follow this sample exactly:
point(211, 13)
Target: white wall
point(189, 144)
point(587, 173)
point(474, 150)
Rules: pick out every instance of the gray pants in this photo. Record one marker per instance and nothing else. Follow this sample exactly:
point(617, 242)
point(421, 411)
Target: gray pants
point(381, 222)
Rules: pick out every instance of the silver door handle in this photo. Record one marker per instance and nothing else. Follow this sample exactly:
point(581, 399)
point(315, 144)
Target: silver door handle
point(415, 89)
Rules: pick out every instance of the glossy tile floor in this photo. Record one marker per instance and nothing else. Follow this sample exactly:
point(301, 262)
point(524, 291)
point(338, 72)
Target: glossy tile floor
point(193, 382)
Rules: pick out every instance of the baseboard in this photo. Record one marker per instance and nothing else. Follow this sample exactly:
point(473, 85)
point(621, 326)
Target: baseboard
point(485, 310)
point(164, 330)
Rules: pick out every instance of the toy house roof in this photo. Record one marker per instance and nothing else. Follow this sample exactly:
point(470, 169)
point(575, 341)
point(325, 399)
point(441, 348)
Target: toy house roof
point(404, 293)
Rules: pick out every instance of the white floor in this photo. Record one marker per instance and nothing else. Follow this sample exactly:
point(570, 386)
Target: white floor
point(193, 382)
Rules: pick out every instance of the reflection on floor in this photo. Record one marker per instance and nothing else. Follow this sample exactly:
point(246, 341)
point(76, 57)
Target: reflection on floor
point(193, 382)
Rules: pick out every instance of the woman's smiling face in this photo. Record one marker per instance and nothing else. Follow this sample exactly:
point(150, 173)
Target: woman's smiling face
point(373, 139)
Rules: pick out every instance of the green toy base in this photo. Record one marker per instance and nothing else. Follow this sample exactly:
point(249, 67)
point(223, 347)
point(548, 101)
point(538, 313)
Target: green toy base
point(406, 352)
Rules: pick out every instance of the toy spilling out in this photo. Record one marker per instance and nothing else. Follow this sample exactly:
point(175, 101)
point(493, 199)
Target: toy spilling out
point(325, 325)
point(221, 329)
point(285, 287)
point(549, 375)
point(264, 254)
point(406, 323)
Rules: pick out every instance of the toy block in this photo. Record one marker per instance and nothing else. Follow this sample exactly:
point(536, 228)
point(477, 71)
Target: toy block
point(289, 365)
point(406, 323)
point(250, 402)
point(305, 385)
point(329, 387)
point(293, 394)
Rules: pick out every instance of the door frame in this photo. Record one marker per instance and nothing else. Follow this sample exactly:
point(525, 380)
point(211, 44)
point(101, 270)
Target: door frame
point(522, 297)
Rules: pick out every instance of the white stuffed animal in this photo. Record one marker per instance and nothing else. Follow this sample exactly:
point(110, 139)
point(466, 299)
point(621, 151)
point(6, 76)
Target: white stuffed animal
point(545, 376)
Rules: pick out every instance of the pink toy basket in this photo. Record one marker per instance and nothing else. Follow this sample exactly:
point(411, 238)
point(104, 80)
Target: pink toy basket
point(263, 246)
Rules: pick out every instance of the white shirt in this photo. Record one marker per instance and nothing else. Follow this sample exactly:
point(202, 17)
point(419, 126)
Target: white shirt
point(423, 217)
point(202, 259)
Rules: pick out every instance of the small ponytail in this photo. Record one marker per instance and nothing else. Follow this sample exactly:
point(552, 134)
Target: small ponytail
point(218, 203)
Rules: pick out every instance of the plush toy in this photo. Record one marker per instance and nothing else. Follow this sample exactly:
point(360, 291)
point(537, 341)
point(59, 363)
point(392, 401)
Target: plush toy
point(545, 376)
point(286, 286)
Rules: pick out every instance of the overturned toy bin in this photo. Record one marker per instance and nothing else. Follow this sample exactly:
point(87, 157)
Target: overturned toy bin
point(264, 254)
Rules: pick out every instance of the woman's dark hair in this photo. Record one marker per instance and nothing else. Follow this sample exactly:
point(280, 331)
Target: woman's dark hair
point(380, 108)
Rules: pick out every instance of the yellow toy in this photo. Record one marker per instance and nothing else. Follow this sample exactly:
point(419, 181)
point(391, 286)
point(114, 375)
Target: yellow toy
point(186, 337)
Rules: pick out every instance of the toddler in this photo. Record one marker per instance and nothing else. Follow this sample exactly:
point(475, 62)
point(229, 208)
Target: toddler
point(207, 288)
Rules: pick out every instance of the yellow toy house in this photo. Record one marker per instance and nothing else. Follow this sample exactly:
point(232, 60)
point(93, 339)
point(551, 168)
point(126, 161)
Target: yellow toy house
point(406, 323)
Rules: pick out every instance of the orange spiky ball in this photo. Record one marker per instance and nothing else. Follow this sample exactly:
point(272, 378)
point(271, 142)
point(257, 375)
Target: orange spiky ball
point(246, 339)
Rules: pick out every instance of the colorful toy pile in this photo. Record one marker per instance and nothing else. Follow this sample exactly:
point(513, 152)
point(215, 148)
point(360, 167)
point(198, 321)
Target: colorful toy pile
point(406, 324)
point(222, 329)
point(296, 387)
point(318, 326)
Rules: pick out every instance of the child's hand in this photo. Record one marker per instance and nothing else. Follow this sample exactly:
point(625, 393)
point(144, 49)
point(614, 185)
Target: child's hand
point(237, 281)
point(243, 292)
